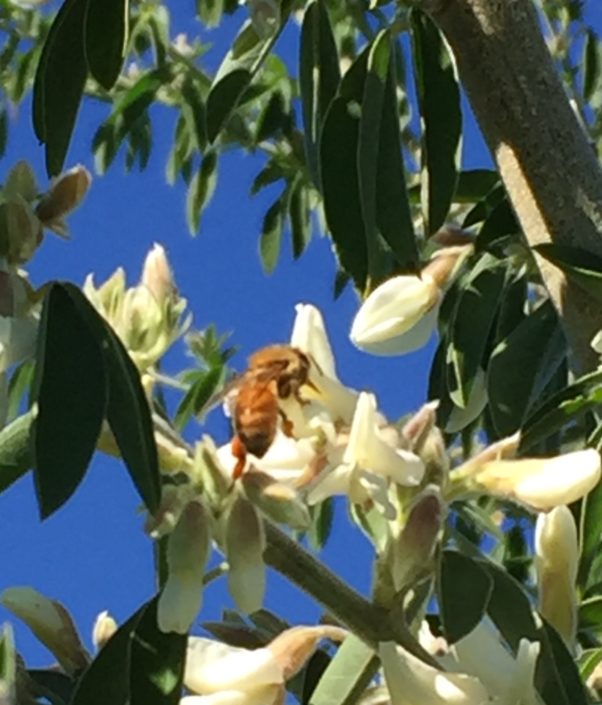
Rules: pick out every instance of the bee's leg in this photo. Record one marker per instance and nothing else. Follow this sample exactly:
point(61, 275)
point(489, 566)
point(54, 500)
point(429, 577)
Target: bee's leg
point(240, 453)
point(287, 425)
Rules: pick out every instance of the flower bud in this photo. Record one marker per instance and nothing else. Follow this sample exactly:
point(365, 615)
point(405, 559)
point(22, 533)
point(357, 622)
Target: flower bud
point(64, 195)
point(21, 181)
point(104, 628)
point(542, 483)
point(556, 563)
point(156, 274)
point(245, 543)
point(187, 553)
point(51, 624)
point(278, 501)
point(399, 316)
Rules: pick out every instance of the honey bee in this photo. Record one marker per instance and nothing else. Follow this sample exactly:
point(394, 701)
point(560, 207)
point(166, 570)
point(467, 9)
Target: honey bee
point(274, 373)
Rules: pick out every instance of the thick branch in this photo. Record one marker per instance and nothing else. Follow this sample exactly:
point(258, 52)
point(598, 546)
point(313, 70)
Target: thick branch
point(548, 167)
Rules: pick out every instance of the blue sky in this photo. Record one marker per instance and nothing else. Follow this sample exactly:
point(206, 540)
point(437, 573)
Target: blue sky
point(92, 555)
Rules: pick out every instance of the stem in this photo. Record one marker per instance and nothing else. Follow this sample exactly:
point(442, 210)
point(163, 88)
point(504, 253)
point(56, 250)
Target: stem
point(369, 622)
point(544, 157)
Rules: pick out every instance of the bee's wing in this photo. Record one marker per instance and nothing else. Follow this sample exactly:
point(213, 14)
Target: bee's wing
point(227, 394)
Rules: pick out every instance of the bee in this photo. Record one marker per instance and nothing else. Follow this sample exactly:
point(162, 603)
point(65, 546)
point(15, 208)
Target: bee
point(274, 373)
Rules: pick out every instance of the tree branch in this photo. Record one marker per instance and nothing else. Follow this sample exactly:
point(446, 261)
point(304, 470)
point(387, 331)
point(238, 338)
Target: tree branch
point(549, 169)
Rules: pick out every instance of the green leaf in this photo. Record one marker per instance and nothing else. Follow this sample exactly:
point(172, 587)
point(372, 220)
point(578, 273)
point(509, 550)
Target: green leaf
point(319, 77)
point(347, 675)
point(3, 130)
point(340, 183)
point(200, 392)
point(105, 39)
point(322, 516)
point(556, 675)
point(201, 190)
point(136, 99)
point(590, 530)
point(499, 222)
point(128, 413)
point(56, 687)
point(581, 266)
point(8, 662)
point(271, 235)
point(69, 392)
point(587, 662)
point(59, 83)
point(476, 306)
point(509, 606)
point(15, 450)
point(157, 662)
point(590, 612)
point(210, 12)
point(299, 215)
point(193, 111)
point(439, 104)
point(238, 68)
point(474, 185)
point(550, 416)
point(592, 65)
point(19, 384)
point(521, 366)
point(463, 592)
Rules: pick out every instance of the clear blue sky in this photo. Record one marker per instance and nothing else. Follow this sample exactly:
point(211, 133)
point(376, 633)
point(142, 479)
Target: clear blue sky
point(92, 555)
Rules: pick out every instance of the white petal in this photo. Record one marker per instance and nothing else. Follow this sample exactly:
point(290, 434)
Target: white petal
point(333, 482)
point(397, 317)
point(412, 682)
point(259, 696)
point(309, 335)
point(212, 667)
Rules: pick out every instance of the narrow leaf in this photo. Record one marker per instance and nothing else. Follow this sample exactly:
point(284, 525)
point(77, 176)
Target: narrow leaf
point(69, 392)
point(59, 83)
point(271, 236)
point(347, 675)
point(439, 103)
point(16, 457)
point(201, 190)
point(319, 77)
point(581, 266)
point(105, 40)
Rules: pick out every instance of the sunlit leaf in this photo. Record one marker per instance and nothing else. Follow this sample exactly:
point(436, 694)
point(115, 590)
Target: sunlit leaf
point(347, 675)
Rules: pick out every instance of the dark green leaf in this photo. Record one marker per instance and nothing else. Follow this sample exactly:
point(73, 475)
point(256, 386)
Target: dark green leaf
point(135, 100)
point(479, 212)
point(15, 450)
point(193, 111)
point(271, 235)
point(556, 675)
point(347, 675)
point(312, 674)
point(590, 530)
point(157, 662)
point(463, 592)
point(3, 130)
point(70, 392)
point(238, 68)
point(478, 301)
point(106, 31)
point(322, 516)
point(521, 366)
point(128, 412)
point(499, 222)
point(319, 77)
point(581, 266)
point(340, 183)
point(592, 64)
point(439, 103)
point(564, 406)
point(201, 190)
point(509, 606)
point(590, 612)
point(474, 185)
point(107, 678)
point(299, 215)
point(59, 83)
point(52, 685)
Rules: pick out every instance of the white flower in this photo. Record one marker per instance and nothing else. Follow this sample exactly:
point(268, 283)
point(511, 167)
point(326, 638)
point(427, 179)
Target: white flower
point(398, 317)
point(412, 682)
point(309, 335)
point(227, 675)
point(556, 563)
point(187, 552)
point(542, 483)
point(369, 460)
